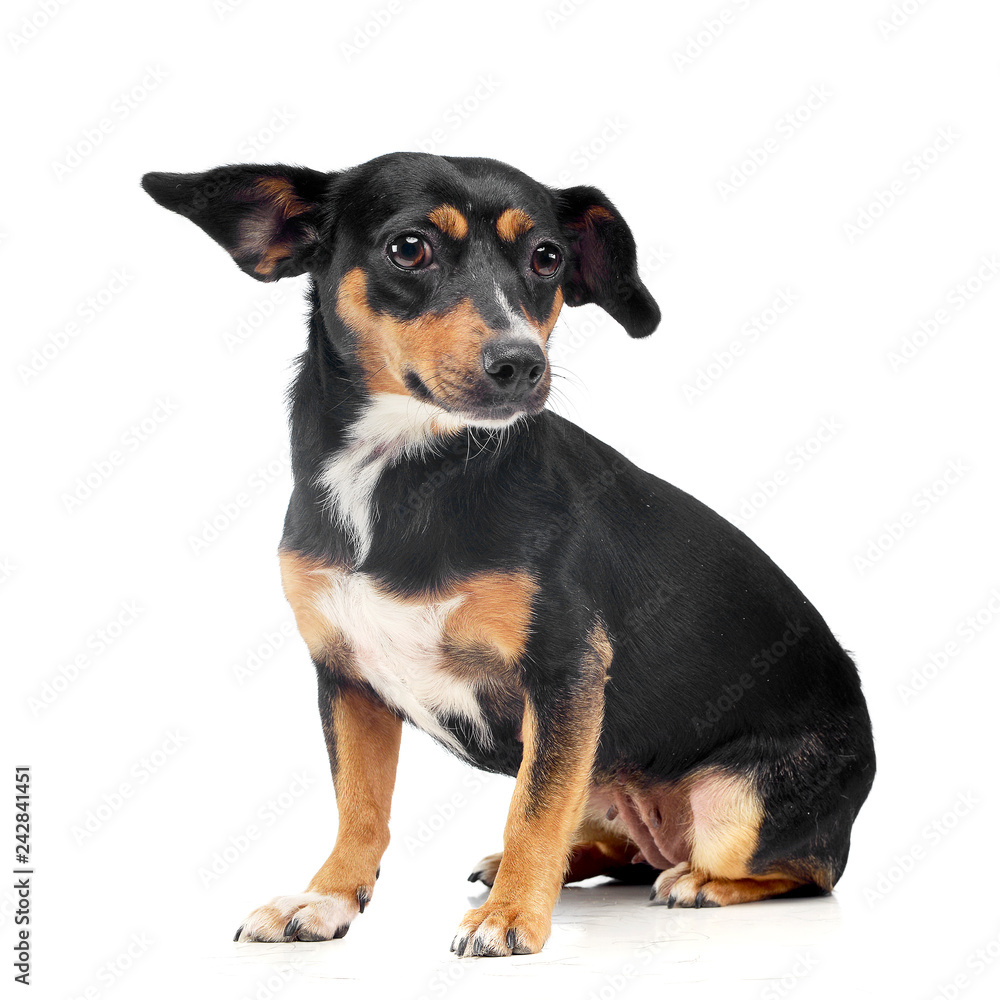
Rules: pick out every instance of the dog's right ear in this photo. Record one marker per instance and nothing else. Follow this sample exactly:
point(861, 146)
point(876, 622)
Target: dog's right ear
point(266, 216)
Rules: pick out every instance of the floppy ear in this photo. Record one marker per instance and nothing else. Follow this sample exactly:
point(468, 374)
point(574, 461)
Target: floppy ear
point(266, 216)
point(602, 265)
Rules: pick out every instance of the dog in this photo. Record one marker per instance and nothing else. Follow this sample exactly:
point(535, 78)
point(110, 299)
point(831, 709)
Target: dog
point(457, 556)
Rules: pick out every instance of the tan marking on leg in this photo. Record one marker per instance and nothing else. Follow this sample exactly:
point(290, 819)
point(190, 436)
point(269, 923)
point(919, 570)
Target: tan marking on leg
point(597, 857)
point(304, 579)
point(366, 739)
point(514, 222)
point(692, 887)
point(545, 809)
point(444, 349)
point(726, 814)
point(367, 751)
point(450, 221)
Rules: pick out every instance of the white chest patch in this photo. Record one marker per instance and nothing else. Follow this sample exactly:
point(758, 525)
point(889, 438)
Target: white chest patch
point(397, 650)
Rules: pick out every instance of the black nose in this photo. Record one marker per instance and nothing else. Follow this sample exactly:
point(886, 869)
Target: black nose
point(514, 366)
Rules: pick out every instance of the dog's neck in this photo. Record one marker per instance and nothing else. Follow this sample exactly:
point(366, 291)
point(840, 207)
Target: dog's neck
point(345, 439)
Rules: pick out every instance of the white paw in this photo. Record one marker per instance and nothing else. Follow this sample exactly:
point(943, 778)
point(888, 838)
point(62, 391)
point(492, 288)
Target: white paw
point(308, 916)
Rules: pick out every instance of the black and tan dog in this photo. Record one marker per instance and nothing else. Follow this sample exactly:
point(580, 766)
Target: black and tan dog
point(460, 557)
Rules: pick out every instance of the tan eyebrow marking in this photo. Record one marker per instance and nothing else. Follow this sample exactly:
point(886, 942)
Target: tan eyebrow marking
point(450, 221)
point(513, 222)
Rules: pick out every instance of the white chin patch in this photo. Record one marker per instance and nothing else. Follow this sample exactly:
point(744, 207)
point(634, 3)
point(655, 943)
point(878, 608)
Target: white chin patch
point(468, 420)
point(392, 427)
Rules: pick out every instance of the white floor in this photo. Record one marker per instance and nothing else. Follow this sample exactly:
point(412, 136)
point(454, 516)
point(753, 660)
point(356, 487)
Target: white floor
point(607, 939)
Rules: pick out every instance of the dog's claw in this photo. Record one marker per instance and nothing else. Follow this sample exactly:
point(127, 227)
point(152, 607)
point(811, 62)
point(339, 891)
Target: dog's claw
point(239, 931)
point(291, 928)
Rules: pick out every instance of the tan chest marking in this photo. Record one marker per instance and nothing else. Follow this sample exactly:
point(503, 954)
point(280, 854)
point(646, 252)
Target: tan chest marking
point(426, 656)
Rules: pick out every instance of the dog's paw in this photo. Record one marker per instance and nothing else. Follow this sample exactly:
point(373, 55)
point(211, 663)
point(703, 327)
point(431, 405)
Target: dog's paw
point(662, 891)
point(684, 886)
point(486, 870)
point(309, 916)
point(494, 931)
point(681, 886)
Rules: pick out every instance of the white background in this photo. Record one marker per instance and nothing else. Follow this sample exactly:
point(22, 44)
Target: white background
point(140, 321)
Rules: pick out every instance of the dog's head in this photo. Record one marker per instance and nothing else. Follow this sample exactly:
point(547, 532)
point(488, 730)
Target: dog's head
point(438, 277)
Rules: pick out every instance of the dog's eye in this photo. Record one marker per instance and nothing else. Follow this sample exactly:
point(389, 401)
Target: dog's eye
point(410, 251)
point(546, 260)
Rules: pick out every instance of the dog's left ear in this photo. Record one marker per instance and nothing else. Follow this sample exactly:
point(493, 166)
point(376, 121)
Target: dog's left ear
point(602, 266)
point(266, 216)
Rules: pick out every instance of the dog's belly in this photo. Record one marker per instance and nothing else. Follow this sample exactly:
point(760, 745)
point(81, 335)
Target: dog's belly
point(437, 658)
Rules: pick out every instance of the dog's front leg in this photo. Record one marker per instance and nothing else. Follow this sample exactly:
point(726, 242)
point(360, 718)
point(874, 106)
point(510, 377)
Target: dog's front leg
point(560, 739)
point(362, 738)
